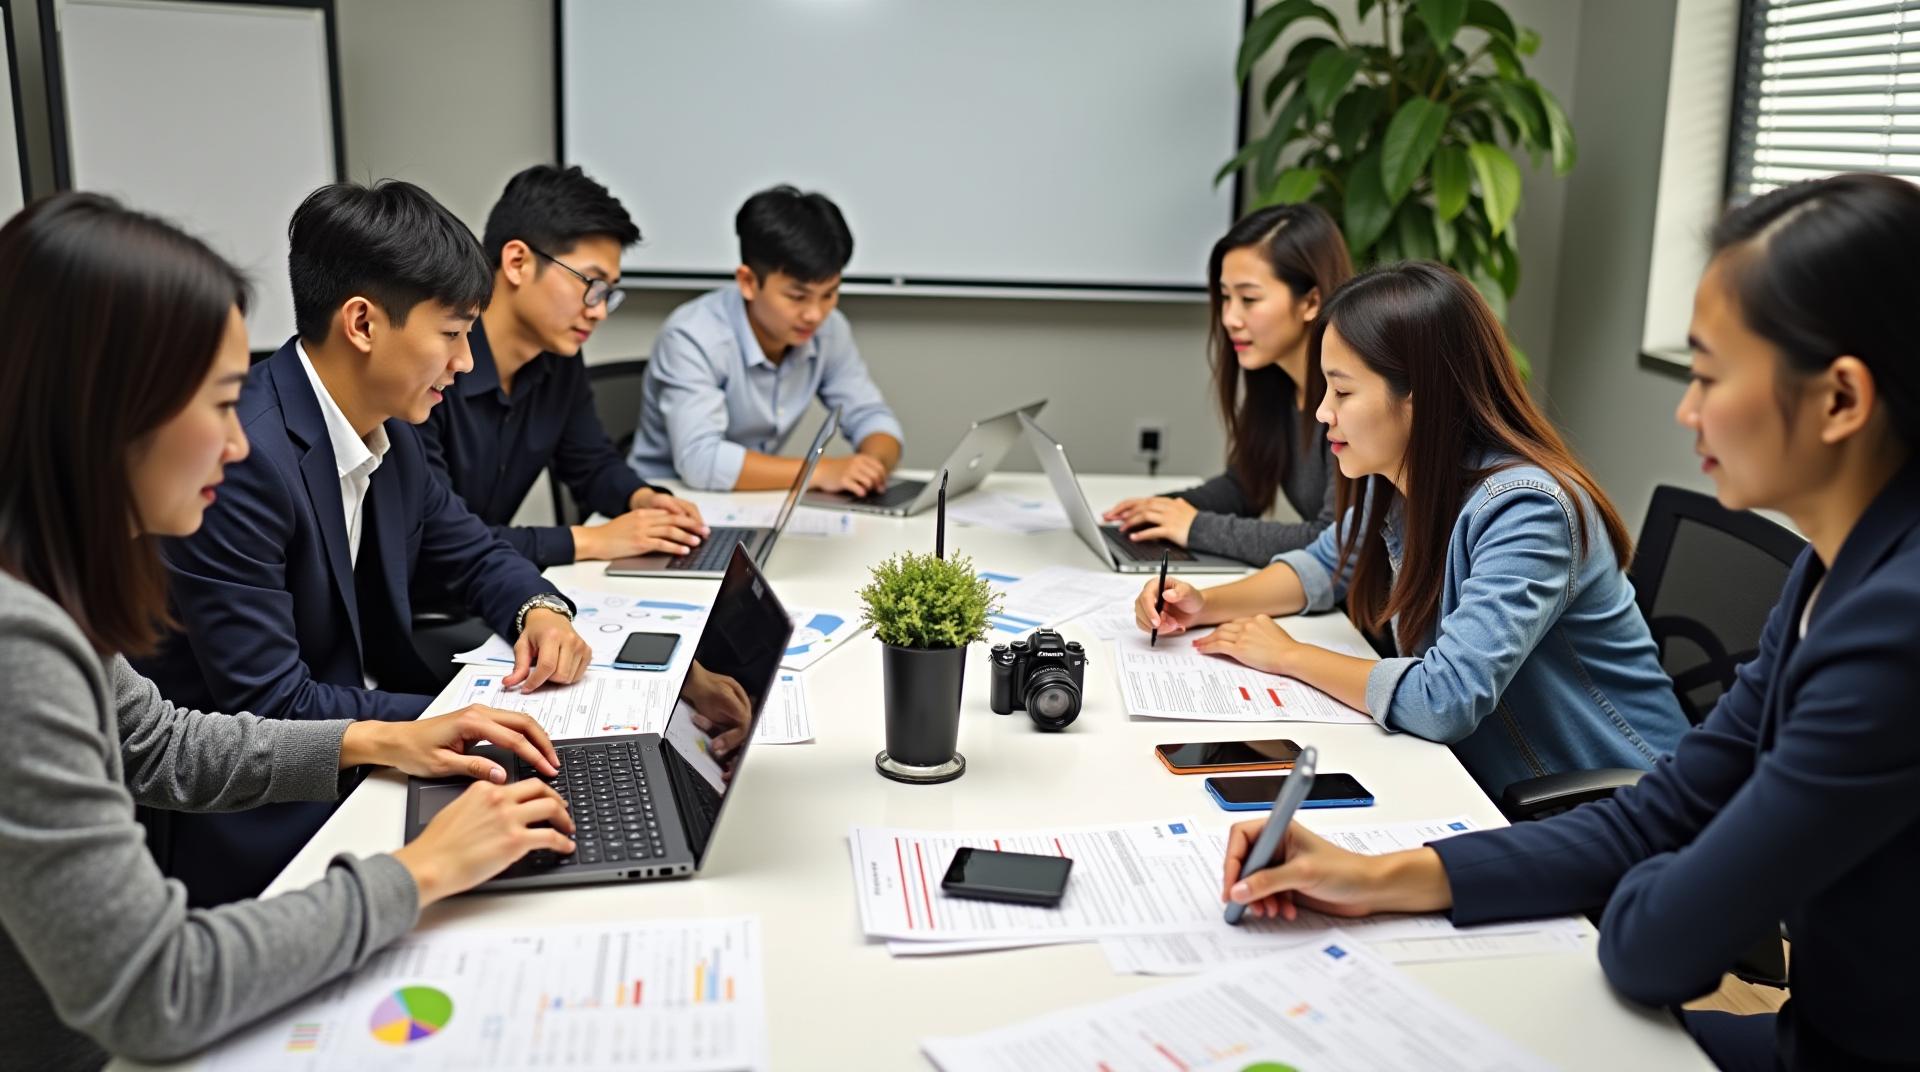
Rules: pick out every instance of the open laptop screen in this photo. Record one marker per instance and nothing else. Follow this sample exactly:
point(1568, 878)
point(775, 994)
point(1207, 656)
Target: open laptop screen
point(707, 735)
point(807, 464)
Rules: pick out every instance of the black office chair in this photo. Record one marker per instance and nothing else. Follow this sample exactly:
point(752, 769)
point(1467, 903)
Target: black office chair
point(617, 391)
point(1705, 578)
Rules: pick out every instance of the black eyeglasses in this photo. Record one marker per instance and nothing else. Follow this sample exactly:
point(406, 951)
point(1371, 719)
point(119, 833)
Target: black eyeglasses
point(598, 290)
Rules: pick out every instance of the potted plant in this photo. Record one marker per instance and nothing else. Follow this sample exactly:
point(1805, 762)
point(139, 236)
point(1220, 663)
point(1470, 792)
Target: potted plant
point(1405, 137)
point(925, 610)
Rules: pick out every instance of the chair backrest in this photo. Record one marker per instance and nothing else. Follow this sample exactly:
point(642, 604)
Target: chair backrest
point(1705, 578)
point(617, 386)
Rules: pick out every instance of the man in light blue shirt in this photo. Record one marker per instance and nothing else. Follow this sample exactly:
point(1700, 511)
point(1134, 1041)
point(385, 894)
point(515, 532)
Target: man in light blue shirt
point(734, 370)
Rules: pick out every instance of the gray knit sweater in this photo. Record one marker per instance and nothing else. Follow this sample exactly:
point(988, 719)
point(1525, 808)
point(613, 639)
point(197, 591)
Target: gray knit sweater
point(99, 954)
point(1230, 525)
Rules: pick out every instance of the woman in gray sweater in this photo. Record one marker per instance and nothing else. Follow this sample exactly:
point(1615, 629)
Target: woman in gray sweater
point(122, 353)
point(1266, 280)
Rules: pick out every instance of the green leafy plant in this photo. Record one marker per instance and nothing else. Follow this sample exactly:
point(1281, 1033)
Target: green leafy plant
point(1406, 140)
point(923, 601)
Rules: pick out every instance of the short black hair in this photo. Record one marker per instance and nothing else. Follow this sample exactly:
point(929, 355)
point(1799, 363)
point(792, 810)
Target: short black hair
point(551, 209)
point(803, 235)
point(391, 242)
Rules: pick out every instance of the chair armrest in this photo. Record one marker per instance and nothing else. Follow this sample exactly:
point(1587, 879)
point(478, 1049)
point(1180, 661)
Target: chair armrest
point(1537, 798)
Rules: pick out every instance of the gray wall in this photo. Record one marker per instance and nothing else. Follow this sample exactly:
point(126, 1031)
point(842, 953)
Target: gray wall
point(1618, 415)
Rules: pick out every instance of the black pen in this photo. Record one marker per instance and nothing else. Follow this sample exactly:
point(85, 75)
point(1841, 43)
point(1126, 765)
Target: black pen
point(1160, 601)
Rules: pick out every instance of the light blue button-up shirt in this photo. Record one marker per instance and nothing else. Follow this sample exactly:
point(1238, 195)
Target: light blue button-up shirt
point(712, 395)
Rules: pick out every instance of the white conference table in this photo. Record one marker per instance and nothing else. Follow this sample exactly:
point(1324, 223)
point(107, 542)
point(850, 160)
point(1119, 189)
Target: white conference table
point(834, 1000)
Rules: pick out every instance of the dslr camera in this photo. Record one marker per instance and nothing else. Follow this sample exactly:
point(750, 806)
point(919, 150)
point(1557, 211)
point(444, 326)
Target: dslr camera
point(1040, 675)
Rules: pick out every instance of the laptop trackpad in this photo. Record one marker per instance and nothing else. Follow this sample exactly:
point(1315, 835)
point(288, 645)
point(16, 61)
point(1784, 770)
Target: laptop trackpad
point(434, 797)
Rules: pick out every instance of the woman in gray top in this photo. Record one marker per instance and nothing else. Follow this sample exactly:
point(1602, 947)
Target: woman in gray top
point(122, 352)
point(1266, 279)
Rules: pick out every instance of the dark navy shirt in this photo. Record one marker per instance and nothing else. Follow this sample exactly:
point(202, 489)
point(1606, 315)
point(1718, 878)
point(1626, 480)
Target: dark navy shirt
point(490, 447)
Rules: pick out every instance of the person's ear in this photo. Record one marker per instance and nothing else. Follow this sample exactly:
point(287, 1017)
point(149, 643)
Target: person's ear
point(749, 284)
point(1310, 306)
point(1846, 395)
point(516, 262)
point(357, 317)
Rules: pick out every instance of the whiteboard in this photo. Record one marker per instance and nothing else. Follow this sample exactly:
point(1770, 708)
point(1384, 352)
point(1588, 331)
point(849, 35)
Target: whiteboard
point(1049, 142)
point(12, 189)
point(218, 117)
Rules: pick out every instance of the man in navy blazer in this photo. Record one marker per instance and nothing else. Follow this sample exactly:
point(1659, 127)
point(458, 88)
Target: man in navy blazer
point(294, 598)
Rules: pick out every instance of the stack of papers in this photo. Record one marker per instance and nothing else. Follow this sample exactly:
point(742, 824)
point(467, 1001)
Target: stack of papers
point(1008, 513)
point(1171, 680)
point(665, 994)
point(606, 702)
point(817, 631)
point(1329, 1006)
point(719, 510)
point(1149, 893)
point(1053, 595)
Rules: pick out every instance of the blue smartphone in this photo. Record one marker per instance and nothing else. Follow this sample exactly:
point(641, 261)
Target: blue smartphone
point(1293, 789)
point(1256, 794)
point(647, 651)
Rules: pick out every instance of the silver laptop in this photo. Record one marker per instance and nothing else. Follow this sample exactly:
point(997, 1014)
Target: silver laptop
point(1107, 541)
point(710, 558)
point(644, 805)
point(978, 452)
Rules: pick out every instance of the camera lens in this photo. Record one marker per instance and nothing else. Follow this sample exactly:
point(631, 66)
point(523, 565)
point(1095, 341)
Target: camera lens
point(1053, 700)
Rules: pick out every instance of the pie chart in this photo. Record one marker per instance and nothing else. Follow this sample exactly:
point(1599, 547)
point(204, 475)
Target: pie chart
point(410, 1014)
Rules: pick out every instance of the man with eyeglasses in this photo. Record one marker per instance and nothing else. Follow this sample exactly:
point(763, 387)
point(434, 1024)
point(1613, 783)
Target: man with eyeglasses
point(554, 239)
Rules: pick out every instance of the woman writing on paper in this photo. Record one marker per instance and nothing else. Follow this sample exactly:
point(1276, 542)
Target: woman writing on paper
point(1468, 530)
point(1267, 279)
point(1798, 799)
point(122, 355)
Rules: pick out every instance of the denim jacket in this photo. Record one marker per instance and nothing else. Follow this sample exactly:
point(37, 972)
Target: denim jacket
point(1540, 662)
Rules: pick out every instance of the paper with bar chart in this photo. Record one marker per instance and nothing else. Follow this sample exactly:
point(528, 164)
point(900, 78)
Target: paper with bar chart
point(1331, 1006)
point(1171, 680)
point(610, 702)
point(667, 994)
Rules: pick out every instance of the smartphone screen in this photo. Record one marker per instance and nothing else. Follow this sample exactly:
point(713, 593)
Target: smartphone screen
point(1214, 755)
point(1011, 876)
point(647, 651)
point(1262, 790)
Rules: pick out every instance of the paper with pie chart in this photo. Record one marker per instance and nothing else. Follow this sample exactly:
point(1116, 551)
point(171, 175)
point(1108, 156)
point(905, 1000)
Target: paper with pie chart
point(663, 994)
point(817, 632)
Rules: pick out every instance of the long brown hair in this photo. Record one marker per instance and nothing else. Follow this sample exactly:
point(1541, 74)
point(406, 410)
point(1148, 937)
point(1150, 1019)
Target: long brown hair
point(109, 321)
point(1303, 246)
point(1430, 335)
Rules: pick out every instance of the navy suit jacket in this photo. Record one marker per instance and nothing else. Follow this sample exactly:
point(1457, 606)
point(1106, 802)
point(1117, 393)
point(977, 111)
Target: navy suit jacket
point(273, 621)
point(1796, 800)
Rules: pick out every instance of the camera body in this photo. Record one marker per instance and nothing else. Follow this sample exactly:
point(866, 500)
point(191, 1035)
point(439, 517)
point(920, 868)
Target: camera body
point(1041, 675)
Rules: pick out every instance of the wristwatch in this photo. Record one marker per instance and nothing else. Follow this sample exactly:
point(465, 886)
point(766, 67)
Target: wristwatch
point(543, 601)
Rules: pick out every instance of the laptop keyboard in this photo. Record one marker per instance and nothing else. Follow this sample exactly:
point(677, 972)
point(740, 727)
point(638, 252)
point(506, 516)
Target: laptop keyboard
point(1145, 550)
point(714, 551)
point(605, 786)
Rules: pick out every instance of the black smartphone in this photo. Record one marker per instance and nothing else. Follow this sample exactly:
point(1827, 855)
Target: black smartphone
point(1207, 757)
point(1016, 877)
point(1256, 794)
point(647, 651)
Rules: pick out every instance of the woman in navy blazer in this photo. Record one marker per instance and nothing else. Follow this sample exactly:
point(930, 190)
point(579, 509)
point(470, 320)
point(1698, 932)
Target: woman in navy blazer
point(1798, 799)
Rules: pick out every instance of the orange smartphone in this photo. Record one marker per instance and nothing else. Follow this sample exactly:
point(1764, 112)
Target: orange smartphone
point(1213, 757)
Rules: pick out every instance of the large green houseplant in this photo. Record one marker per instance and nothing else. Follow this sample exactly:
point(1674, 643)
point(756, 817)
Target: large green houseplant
point(1404, 130)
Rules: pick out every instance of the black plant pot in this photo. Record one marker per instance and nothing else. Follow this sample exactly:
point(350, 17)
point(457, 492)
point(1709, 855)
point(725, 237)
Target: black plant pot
point(922, 695)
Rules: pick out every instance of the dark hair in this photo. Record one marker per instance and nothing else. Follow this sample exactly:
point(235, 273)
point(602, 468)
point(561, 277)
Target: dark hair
point(1826, 269)
point(1304, 248)
point(803, 235)
point(110, 323)
point(552, 209)
point(1432, 337)
point(390, 242)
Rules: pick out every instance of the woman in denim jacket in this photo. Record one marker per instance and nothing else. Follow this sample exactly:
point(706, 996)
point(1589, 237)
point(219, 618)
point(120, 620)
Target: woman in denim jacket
point(1468, 529)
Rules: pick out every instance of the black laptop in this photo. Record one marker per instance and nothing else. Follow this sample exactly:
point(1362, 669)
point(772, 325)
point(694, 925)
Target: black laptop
point(644, 805)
